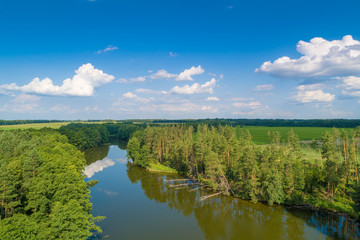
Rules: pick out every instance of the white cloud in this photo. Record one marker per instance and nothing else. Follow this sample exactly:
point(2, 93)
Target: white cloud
point(185, 107)
point(81, 84)
point(132, 96)
point(145, 90)
point(320, 58)
point(131, 80)
point(209, 109)
point(122, 80)
point(312, 93)
point(93, 109)
point(172, 54)
point(248, 105)
point(187, 74)
point(264, 88)
point(351, 93)
point(351, 84)
point(195, 88)
point(212, 99)
point(161, 74)
point(107, 49)
point(241, 99)
point(129, 95)
point(22, 103)
point(68, 109)
point(138, 79)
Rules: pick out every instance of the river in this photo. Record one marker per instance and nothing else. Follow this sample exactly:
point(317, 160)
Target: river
point(139, 205)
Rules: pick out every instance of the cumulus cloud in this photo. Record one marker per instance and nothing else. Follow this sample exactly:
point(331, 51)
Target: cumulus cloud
point(133, 97)
point(161, 74)
point(320, 58)
point(82, 84)
point(138, 79)
point(264, 88)
point(212, 99)
point(312, 93)
point(187, 74)
point(107, 49)
point(195, 88)
point(351, 85)
point(129, 95)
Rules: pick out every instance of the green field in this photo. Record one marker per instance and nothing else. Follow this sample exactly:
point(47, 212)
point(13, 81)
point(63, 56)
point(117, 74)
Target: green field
point(34, 125)
point(54, 125)
point(260, 134)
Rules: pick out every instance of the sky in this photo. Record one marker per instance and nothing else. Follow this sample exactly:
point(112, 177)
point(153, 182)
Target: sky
point(133, 59)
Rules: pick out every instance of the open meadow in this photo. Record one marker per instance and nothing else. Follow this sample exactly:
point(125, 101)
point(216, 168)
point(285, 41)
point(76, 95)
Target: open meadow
point(54, 125)
point(261, 134)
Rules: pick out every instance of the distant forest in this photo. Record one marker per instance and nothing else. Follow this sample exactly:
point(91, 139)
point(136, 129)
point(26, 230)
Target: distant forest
point(338, 123)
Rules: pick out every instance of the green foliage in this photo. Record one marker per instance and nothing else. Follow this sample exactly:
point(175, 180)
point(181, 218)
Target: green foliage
point(228, 160)
point(85, 136)
point(43, 194)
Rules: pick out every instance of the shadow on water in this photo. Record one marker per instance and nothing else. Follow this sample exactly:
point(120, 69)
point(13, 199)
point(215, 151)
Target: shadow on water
point(232, 218)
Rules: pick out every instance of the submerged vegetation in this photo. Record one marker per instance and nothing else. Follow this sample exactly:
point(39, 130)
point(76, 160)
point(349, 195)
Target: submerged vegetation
point(43, 194)
point(230, 162)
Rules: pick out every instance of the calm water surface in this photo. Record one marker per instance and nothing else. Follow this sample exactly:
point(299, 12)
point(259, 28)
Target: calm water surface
point(140, 205)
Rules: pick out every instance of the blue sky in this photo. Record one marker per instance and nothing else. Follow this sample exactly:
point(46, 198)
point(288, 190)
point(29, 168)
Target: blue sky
point(81, 59)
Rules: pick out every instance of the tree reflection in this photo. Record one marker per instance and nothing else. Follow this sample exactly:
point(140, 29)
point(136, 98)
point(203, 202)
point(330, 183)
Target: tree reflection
point(96, 153)
point(232, 218)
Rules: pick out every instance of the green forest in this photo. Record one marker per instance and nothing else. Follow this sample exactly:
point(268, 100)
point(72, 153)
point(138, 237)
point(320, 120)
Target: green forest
point(43, 194)
point(230, 162)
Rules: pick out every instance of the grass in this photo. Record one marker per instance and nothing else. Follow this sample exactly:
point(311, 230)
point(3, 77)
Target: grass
point(260, 133)
point(154, 167)
point(55, 125)
point(339, 204)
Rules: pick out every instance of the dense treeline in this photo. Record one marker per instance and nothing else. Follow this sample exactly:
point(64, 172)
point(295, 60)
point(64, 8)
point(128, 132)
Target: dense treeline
point(85, 136)
point(15, 122)
point(338, 123)
point(273, 173)
point(123, 131)
point(43, 194)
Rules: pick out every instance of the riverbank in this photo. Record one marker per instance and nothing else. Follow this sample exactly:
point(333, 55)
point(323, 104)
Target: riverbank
point(309, 202)
point(153, 167)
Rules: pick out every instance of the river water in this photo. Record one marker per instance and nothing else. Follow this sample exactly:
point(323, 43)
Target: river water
point(140, 205)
